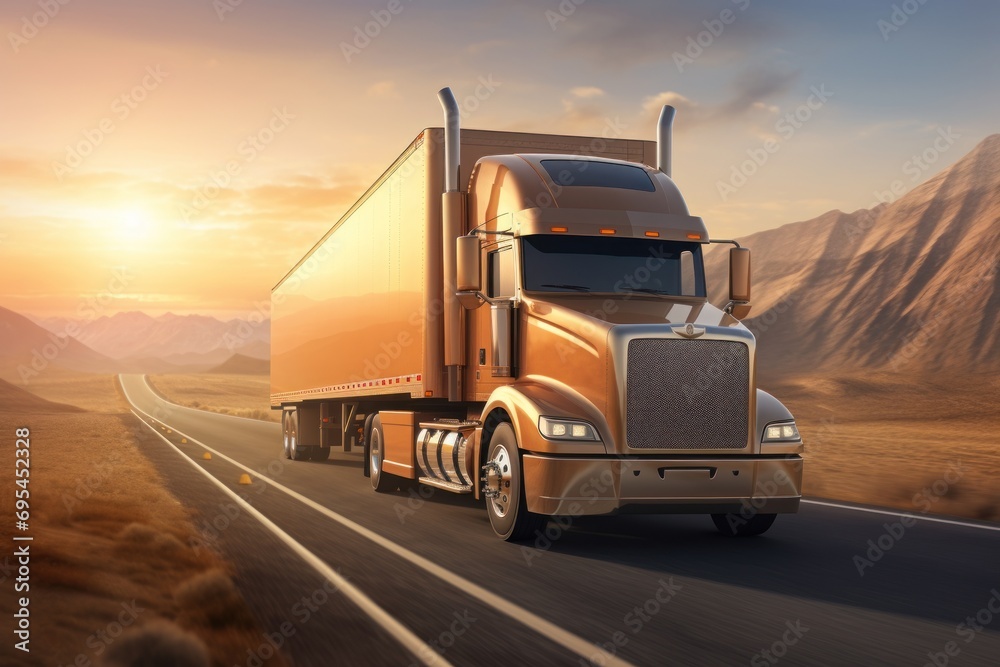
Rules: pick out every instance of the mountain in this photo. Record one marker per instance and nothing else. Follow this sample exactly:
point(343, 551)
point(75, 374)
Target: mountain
point(26, 350)
point(183, 340)
point(912, 285)
point(16, 400)
point(239, 364)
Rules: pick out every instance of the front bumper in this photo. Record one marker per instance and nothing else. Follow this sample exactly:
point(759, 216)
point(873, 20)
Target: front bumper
point(581, 486)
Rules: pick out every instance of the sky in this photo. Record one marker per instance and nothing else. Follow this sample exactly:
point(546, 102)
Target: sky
point(182, 156)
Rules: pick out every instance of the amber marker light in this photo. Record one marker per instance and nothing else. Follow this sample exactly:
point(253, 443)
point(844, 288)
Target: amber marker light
point(560, 230)
point(653, 235)
point(694, 237)
point(428, 394)
point(607, 230)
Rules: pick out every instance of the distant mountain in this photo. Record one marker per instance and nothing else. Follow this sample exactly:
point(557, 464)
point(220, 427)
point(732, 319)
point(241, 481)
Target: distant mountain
point(176, 339)
point(912, 285)
point(13, 399)
point(27, 350)
point(239, 364)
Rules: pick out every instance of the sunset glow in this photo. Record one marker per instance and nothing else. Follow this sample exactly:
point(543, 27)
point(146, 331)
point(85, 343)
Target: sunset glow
point(207, 150)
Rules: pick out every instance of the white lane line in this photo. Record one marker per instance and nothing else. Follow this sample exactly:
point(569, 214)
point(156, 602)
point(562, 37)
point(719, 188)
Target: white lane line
point(581, 647)
point(918, 517)
point(154, 392)
point(413, 644)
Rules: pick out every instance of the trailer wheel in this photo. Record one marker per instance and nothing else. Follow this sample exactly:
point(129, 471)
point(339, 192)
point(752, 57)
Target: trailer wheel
point(734, 525)
point(381, 480)
point(320, 453)
point(296, 452)
point(505, 499)
point(286, 433)
point(366, 437)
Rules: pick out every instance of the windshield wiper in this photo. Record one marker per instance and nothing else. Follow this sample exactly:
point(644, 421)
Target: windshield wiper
point(646, 290)
point(578, 288)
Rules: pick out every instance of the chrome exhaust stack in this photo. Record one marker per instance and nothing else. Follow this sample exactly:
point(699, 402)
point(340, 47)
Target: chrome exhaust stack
point(452, 226)
point(664, 128)
point(452, 139)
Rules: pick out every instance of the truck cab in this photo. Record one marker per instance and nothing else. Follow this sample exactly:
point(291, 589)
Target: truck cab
point(592, 337)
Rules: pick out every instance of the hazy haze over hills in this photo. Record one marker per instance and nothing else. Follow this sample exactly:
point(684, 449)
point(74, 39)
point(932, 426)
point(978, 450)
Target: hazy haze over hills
point(27, 349)
point(178, 339)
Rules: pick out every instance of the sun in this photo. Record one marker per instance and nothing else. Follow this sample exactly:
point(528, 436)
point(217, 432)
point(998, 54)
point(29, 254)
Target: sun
point(134, 225)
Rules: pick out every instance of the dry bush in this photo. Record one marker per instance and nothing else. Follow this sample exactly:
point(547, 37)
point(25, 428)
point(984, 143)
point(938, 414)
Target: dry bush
point(210, 599)
point(158, 644)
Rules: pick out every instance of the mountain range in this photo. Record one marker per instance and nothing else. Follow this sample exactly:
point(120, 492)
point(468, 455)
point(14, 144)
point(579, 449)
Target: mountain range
point(176, 339)
point(129, 342)
point(912, 285)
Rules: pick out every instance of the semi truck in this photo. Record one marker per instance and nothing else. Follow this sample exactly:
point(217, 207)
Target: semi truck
point(524, 318)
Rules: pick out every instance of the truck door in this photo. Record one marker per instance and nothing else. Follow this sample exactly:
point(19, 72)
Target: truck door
point(492, 331)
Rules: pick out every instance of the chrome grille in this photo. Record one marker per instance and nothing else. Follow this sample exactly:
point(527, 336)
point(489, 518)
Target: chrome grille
point(687, 394)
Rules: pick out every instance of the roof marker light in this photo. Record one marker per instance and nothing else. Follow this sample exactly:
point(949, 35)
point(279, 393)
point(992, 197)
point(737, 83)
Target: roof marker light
point(560, 230)
point(607, 230)
point(653, 235)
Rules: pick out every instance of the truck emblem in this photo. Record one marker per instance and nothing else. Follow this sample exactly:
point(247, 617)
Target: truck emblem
point(689, 330)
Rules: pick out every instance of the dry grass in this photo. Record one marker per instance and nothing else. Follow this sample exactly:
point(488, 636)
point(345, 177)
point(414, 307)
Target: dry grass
point(92, 392)
point(107, 536)
point(238, 395)
point(884, 439)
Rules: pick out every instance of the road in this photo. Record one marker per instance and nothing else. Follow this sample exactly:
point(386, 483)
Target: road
point(827, 586)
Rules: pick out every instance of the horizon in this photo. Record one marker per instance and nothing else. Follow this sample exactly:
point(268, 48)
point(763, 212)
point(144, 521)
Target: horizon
point(94, 304)
point(183, 157)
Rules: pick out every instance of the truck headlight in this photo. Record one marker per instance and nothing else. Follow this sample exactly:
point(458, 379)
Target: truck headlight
point(566, 429)
point(786, 432)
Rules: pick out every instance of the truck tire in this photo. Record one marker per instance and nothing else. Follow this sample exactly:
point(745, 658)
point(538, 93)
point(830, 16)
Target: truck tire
point(320, 453)
point(734, 525)
point(382, 481)
point(366, 437)
point(295, 451)
point(286, 431)
point(508, 511)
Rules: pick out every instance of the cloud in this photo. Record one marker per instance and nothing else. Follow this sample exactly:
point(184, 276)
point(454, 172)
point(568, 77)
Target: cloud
point(757, 84)
point(653, 30)
point(692, 112)
point(383, 89)
point(750, 95)
point(586, 92)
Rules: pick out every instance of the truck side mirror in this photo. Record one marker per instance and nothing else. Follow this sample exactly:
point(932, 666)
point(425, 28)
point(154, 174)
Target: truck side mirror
point(739, 275)
point(468, 271)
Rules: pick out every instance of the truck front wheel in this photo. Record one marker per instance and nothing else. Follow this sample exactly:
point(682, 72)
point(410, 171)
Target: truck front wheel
point(735, 525)
point(504, 489)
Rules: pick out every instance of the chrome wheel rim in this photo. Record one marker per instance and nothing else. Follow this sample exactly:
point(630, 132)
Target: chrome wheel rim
point(375, 456)
point(498, 481)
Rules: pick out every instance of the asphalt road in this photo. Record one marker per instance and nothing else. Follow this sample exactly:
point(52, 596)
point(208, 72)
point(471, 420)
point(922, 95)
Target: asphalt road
point(650, 590)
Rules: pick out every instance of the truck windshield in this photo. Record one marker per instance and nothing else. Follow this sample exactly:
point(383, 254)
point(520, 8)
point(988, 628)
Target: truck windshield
point(556, 263)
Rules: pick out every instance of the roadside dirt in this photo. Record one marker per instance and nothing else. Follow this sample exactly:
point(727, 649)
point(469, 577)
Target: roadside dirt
point(116, 565)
